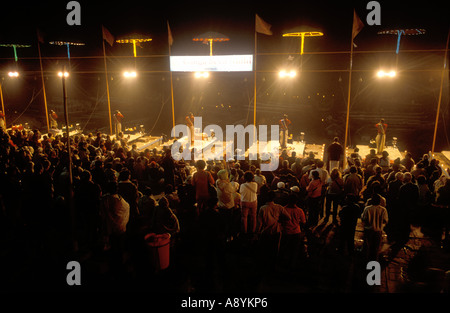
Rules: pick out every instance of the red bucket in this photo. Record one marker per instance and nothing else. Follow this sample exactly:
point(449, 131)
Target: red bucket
point(159, 246)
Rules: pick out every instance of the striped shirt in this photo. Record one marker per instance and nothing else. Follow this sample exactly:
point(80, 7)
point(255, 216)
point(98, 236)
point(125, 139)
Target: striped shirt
point(374, 217)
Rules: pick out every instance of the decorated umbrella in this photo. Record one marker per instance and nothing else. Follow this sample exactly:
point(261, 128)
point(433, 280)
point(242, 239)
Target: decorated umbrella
point(399, 33)
point(67, 44)
point(302, 32)
point(135, 40)
point(209, 38)
point(15, 46)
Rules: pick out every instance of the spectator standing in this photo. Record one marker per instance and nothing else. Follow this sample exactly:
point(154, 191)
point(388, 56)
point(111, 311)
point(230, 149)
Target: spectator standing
point(269, 229)
point(334, 194)
point(114, 214)
point(249, 203)
point(335, 154)
point(129, 191)
point(201, 180)
point(348, 216)
point(353, 182)
point(374, 219)
point(291, 231)
point(314, 190)
point(225, 191)
point(408, 162)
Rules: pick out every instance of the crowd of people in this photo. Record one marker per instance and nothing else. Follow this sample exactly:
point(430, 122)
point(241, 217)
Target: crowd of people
point(119, 194)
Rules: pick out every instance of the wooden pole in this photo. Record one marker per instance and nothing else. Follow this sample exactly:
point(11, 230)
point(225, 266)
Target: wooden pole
point(43, 87)
point(3, 103)
point(254, 82)
point(107, 89)
point(440, 93)
point(349, 95)
point(171, 90)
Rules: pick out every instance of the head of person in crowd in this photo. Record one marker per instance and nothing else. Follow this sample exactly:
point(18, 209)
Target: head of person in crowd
point(248, 176)
point(335, 173)
point(376, 199)
point(111, 188)
point(200, 164)
point(407, 177)
point(315, 175)
point(399, 176)
point(421, 180)
point(124, 174)
point(222, 174)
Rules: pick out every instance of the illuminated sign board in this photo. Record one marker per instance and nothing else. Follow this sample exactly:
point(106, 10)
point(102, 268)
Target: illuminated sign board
point(212, 63)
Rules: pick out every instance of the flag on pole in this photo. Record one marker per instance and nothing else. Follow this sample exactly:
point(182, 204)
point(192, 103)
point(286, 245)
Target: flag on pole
point(262, 27)
point(107, 36)
point(357, 25)
point(169, 34)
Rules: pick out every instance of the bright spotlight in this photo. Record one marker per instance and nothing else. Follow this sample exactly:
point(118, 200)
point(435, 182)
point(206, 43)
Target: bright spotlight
point(129, 74)
point(382, 74)
point(391, 74)
point(13, 74)
point(201, 74)
point(290, 74)
point(61, 74)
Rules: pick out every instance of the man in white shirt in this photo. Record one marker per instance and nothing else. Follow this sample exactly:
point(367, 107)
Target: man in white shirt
point(248, 191)
point(374, 218)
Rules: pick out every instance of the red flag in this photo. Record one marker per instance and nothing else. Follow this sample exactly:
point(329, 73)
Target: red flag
point(107, 36)
point(357, 25)
point(261, 26)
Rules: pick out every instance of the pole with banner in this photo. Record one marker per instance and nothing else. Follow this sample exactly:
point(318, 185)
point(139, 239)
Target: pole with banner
point(110, 39)
point(170, 40)
point(262, 27)
point(41, 40)
point(357, 26)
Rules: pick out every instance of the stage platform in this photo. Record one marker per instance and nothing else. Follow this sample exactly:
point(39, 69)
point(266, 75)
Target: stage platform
point(147, 142)
point(62, 132)
point(131, 137)
point(364, 150)
point(446, 154)
point(444, 161)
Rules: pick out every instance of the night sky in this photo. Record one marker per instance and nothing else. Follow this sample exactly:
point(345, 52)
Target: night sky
point(416, 92)
point(233, 18)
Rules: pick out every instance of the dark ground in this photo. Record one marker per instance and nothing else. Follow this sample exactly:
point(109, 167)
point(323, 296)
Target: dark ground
point(33, 263)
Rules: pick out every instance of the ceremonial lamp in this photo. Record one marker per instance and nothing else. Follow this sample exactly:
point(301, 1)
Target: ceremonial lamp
point(15, 46)
point(67, 44)
point(135, 40)
point(399, 33)
point(302, 34)
point(209, 38)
